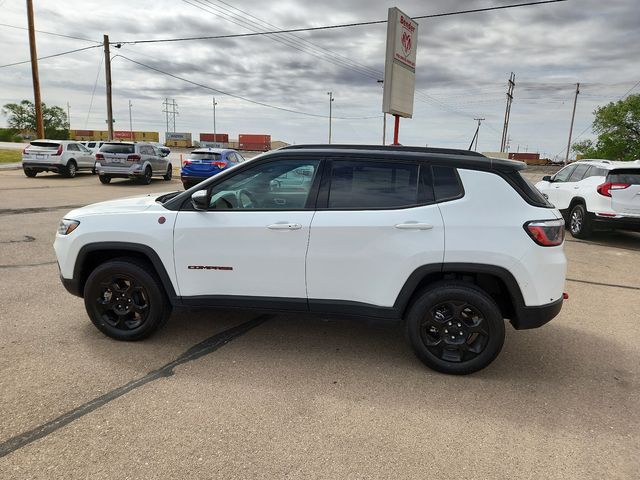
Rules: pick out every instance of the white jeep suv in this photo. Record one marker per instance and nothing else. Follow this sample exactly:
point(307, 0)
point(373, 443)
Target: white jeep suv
point(596, 194)
point(449, 242)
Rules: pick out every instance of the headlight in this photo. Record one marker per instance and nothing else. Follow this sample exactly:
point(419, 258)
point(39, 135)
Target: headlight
point(67, 226)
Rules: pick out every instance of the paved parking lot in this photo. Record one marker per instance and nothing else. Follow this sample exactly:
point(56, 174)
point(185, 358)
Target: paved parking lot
point(240, 395)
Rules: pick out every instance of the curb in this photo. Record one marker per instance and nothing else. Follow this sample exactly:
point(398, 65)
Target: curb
point(11, 166)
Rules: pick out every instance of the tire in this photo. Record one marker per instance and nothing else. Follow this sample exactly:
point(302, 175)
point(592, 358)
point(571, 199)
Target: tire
point(30, 172)
point(146, 178)
point(94, 170)
point(105, 179)
point(455, 328)
point(169, 173)
point(124, 301)
point(71, 169)
point(579, 223)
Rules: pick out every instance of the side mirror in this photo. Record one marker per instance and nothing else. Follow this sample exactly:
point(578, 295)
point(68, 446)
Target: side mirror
point(547, 178)
point(200, 200)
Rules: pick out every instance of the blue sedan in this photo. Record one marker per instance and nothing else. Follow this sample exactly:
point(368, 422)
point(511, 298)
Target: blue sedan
point(203, 163)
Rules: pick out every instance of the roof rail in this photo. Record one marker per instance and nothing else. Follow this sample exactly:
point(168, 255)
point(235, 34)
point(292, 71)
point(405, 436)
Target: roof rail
point(401, 148)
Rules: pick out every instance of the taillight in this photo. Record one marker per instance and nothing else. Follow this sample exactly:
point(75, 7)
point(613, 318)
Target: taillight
point(59, 151)
point(605, 188)
point(99, 156)
point(219, 164)
point(186, 162)
point(24, 152)
point(548, 233)
point(133, 158)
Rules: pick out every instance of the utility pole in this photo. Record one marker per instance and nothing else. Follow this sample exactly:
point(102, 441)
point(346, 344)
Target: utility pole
point(165, 104)
point(68, 116)
point(573, 116)
point(107, 71)
point(130, 122)
point(330, 102)
point(215, 138)
point(505, 128)
point(34, 71)
point(173, 112)
point(479, 120)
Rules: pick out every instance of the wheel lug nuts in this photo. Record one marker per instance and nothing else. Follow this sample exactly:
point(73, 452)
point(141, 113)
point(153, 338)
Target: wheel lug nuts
point(452, 337)
point(450, 324)
point(459, 325)
point(446, 331)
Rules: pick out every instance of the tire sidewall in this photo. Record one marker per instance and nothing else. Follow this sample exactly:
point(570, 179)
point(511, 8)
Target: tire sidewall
point(72, 169)
point(584, 229)
point(158, 305)
point(450, 292)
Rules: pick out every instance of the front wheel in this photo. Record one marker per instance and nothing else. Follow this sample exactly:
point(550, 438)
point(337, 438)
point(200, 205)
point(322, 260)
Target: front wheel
point(124, 300)
point(455, 328)
point(579, 224)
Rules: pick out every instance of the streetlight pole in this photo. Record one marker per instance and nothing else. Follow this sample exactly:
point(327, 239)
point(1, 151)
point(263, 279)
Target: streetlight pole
point(330, 102)
point(215, 137)
point(130, 122)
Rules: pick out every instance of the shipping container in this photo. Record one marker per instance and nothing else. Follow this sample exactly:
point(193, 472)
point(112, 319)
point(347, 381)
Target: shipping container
point(214, 137)
point(178, 143)
point(248, 141)
point(523, 156)
point(122, 135)
point(178, 136)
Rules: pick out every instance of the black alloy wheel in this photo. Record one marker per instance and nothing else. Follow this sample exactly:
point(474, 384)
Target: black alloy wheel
point(124, 300)
point(455, 327)
point(146, 178)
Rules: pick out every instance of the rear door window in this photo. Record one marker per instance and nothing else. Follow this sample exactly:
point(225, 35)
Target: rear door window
point(372, 185)
point(72, 147)
point(446, 184)
point(578, 173)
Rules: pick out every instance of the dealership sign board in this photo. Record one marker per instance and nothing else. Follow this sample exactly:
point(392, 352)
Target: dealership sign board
point(400, 64)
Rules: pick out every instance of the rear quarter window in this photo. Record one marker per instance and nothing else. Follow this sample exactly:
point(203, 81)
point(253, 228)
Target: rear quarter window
point(446, 184)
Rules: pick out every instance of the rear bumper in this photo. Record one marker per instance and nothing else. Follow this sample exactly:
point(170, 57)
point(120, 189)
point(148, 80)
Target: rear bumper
point(534, 317)
point(120, 172)
point(43, 166)
point(622, 222)
point(192, 179)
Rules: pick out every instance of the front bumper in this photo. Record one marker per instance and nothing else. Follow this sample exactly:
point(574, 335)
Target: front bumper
point(620, 222)
point(534, 317)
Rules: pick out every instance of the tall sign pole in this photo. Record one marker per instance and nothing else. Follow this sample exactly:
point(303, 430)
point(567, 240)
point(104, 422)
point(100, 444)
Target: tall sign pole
point(215, 137)
point(107, 72)
point(130, 122)
point(330, 111)
point(400, 68)
point(573, 116)
point(34, 71)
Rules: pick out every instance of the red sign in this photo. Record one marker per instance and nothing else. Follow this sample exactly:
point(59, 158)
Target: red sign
point(122, 134)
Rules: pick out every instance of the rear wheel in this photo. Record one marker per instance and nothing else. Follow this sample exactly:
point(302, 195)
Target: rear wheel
point(71, 169)
point(169, 173)
point(124, 301)
point(455, 328)
point(104, 179)
point(29, 172)
point(579, 224)
point(146, 178)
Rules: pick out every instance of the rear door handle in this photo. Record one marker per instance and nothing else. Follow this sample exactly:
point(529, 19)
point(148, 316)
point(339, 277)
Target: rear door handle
point(414, 226)
point(284, 226)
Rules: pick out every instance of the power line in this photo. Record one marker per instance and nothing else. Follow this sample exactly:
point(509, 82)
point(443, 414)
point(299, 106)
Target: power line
point(50, 33)
point(239, 97)
point(343, 25)
point(52, 56)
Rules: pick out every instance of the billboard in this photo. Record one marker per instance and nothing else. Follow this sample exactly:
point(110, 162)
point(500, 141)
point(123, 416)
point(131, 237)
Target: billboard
point(400, 64)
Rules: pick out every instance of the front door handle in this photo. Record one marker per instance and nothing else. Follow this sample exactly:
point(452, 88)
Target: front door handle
point(414, 226)
point(284, 226)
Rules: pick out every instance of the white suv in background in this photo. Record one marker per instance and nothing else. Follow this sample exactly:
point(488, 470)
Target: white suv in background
point(447, 241)
point(596, 194)
point(134, 160)
point(65, 157)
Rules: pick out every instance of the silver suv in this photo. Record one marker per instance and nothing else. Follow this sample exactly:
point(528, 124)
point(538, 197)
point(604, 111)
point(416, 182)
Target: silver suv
point(136, 161)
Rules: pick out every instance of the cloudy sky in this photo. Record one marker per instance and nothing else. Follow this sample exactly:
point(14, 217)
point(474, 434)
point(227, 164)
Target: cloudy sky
point(463, 65)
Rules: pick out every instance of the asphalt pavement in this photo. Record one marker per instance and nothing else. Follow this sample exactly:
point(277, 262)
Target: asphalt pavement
point(227, 394)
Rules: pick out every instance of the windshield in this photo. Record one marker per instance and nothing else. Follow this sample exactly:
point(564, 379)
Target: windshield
point(204, 156)
point(117, 148)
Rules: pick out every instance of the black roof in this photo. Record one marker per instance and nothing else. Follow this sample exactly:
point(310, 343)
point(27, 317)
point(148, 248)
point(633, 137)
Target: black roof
point(452, 156)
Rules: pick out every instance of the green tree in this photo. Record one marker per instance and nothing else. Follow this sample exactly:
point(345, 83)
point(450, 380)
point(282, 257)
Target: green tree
point(22, 117)
point(618, 128)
